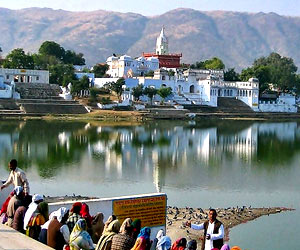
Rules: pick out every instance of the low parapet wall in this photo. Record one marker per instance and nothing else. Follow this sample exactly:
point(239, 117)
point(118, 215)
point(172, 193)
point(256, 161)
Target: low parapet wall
point(149, 208)
point(12, 239)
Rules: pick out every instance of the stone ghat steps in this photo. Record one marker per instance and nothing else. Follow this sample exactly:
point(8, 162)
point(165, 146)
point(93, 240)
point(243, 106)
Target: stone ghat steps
point(8, 104)
point(53, 108)
point(232, 105)
point(46, 101)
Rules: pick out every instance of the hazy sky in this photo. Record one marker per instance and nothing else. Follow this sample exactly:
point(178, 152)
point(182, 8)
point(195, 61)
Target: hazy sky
point(154, 7)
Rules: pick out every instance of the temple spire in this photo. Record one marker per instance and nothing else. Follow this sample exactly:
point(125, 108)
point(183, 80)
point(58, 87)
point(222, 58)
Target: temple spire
point(162, 46)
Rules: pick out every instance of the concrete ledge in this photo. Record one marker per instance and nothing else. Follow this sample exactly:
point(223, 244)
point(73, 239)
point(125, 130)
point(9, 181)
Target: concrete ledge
point(12, 239)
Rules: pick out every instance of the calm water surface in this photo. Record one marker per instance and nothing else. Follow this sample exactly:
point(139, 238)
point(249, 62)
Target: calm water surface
point(217, 164)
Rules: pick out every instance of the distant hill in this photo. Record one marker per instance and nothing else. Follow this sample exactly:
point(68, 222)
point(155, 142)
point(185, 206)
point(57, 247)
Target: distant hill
point(237, 38)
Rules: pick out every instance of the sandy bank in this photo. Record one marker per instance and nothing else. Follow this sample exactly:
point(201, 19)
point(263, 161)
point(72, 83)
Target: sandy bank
point(230, 217)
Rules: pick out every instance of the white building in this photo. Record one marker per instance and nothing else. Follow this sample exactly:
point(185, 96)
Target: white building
point(24, 76)
point(125, 66)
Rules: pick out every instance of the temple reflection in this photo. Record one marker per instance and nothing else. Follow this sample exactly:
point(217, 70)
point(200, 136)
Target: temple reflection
point(152, 150)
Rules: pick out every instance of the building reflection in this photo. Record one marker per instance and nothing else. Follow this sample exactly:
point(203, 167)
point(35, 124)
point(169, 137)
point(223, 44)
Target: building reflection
point(150, 151)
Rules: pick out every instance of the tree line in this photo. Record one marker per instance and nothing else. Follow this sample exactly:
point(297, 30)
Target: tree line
point(273, 72)
point(58, 61)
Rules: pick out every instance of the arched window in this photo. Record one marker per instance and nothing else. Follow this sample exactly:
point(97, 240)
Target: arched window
point(192, 89)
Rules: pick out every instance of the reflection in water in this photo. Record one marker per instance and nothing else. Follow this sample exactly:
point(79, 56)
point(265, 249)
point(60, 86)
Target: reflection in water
point(157, 148)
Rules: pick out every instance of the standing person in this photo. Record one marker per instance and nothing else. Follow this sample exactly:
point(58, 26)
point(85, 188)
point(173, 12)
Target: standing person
point(17, 176)
point(15, 202)
point(36, 199)
point(213, 231)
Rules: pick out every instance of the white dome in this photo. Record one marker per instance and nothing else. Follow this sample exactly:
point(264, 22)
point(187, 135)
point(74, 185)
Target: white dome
point(112, 58)
point(125, 57)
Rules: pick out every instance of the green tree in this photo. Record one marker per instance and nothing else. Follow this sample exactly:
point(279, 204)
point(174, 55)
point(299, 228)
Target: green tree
point(42, 62)
point(62, 74)
point(70, 57)
point(274, 69)
point(137, 91)
point(117, 86)
point(93, 94)
point(150, 92)
point(100, 70)
point(231, 75)
point(18, 59)
point(214, 63)
point(164, 92)
point(82, 84)
point(51, 48)
point(197, 65)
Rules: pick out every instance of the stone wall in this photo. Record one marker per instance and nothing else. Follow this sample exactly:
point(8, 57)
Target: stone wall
point(37, 90)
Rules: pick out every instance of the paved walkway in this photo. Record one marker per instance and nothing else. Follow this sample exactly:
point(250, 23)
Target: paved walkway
point(11, 239)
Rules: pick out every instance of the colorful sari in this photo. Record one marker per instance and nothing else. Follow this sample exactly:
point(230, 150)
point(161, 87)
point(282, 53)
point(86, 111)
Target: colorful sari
point(79, 238)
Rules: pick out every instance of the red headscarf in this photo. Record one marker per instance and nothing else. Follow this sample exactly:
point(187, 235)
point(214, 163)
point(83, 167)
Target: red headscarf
point(85, 213)
point(179, 244)
point(76, 206)
point(5, 204)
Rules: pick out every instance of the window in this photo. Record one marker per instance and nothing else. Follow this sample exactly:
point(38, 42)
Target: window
point(37, 78)
point(7, 77)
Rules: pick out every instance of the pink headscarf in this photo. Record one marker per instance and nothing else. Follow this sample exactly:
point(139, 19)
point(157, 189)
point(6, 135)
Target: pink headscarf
point(225, 247)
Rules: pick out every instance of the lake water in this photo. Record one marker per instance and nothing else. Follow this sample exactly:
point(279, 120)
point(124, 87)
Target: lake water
point(203, 164)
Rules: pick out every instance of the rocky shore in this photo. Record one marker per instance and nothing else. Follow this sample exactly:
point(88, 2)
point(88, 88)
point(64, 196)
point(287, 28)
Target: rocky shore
point(230, 217)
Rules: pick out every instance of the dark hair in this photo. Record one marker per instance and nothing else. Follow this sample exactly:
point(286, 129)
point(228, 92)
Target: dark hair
point(214, 211)
point(192, 245)
point(13, 163)
point(182, 242)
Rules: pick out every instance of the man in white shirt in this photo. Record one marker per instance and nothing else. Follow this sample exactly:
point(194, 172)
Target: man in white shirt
point(213, 231)
point(17, 177)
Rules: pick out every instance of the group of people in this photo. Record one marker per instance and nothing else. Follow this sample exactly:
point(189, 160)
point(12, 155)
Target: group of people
point(76, 229)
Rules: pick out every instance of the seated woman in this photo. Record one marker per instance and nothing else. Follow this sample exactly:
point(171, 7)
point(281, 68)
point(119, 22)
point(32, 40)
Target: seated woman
point(164, 243)
point(39, 217)
point(80, 239)
point(124, 239)
point(105, 240)
point(143, 241)
point(58, 233)
point(97, 227)
point(179, 244)
point(85, 214)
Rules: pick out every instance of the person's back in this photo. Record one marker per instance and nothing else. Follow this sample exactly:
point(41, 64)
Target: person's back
point(54, 237)
point(13, 205)
point(122, 241)
point(18, 221)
